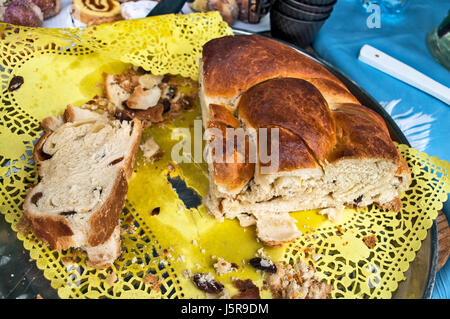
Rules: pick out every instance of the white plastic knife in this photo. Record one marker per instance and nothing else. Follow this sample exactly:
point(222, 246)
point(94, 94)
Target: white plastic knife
point(403, 72)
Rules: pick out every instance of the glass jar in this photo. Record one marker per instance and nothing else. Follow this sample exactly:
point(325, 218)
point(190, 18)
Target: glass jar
point(438, 42)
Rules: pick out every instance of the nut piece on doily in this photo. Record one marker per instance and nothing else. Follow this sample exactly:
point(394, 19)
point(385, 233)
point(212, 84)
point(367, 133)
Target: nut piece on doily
point(24, 13)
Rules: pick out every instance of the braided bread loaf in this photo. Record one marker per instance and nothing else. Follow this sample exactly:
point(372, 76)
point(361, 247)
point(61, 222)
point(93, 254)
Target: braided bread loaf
point(333, 152)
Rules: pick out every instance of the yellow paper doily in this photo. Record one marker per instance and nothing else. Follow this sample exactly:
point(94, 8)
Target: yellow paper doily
point(65, 66)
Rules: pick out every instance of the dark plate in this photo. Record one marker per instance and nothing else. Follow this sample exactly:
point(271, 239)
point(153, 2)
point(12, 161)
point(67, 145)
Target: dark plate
point(20, 278)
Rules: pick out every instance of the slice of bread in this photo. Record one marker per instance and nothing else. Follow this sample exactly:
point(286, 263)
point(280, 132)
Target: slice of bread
point(85, 162)
point(330, 151)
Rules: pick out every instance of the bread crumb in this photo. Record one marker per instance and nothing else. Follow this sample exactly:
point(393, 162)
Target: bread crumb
point(171, 167)
point(153, 281)
point(297, 282)
point(163, 262)
point(168, 252)
point(334, 213)
point(111, 279)
point(308, 251)
point(224, 267)
point(340, 230)
point(260, 253)
point(370, 241)
point(187, 273)
point(150, 148)
point(67, 261)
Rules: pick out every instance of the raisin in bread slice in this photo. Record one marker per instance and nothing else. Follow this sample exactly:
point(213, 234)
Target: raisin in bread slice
point(85, 162)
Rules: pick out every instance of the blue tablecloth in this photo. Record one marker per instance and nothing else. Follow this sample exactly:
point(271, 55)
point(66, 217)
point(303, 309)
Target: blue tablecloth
point(424, 120)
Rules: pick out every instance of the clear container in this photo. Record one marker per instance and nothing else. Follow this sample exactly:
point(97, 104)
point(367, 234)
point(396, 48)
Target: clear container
point(438, 42)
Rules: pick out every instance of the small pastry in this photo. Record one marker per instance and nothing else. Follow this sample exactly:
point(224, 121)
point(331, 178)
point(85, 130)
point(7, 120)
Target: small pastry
point(49, 8)
point(198, 5)
point(228, 9)
point(94, 12)
point(25, 13)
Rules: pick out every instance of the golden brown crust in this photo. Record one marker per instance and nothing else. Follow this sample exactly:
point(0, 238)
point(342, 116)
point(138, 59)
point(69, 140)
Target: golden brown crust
point(365, 112)
point(229, 172)
point(137, 125)
point(52, 122)
point(221, 114)
point(103, 20)
point(294, 105)
point(403, 169)
point(235, 171)
point(293, 152)
point(233, 64)
point(106, 219)
point(69, 114)
point(332, 92)
point(38, 154)
point(395, 205)
point(360, 136)
point(53, 230)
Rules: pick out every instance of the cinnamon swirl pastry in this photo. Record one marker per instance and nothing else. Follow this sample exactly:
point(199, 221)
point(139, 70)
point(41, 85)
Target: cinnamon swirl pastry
point(94, 12)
